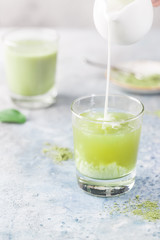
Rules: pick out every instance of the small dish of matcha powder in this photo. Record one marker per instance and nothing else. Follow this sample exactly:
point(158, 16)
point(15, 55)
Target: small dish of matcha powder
point(146, 209)
point(57, 153)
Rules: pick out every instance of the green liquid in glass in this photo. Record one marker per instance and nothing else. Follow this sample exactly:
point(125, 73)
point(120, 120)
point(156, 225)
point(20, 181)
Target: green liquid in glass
point(31, 66)
point(106, 150)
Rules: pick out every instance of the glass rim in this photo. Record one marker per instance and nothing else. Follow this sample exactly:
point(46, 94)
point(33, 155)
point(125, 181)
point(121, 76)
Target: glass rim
point(107, 121)
point(51, 31)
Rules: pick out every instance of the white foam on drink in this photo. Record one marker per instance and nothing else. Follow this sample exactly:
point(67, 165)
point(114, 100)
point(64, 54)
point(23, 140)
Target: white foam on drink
point(110, 121)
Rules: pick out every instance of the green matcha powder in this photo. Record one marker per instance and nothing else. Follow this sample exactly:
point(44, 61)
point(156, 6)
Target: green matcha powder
point(56, 153)
point(146, 209)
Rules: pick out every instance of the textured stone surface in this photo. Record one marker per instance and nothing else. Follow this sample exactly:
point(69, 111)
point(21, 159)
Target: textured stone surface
point(41, 200)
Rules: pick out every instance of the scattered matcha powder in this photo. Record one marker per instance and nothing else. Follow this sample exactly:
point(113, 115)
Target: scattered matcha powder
point(157, 113)
point(153, 113)
point(148, 210)
point(56, 153)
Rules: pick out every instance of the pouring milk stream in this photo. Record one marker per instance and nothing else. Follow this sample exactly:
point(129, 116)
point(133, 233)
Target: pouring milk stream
point(122, 22)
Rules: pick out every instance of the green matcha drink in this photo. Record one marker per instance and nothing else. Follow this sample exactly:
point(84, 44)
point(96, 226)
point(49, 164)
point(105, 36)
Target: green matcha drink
point(31, 67)
point(30, 63)
point(106, 151)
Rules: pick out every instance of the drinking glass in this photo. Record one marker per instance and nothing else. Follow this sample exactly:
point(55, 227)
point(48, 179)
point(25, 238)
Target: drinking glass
point(30, 63)
point(106, 150)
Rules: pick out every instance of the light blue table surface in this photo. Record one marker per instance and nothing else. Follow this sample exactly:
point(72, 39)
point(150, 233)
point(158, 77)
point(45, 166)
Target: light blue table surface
point(40, 200)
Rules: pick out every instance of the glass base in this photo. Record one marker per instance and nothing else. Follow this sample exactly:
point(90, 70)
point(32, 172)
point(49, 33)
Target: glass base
point(106, 188)
point(35, 102)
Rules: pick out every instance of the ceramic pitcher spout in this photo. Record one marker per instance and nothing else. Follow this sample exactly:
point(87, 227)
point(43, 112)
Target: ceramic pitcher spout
point(128, 23)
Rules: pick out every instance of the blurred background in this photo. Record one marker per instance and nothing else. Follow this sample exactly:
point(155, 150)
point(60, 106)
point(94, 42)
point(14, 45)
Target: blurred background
point(51, 13)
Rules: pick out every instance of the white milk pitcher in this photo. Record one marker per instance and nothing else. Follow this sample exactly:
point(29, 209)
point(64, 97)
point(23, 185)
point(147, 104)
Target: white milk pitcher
point(129, 20)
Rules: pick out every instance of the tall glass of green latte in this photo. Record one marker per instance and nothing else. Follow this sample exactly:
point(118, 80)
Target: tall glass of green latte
point(106, 150)
point(30, 63)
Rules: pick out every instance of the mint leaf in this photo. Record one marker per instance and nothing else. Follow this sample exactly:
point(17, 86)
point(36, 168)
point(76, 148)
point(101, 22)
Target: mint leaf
point(12, 116)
